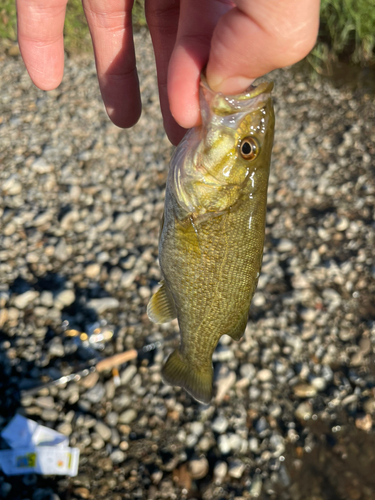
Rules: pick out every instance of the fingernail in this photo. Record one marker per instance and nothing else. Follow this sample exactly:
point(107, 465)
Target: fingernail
point(229, 86)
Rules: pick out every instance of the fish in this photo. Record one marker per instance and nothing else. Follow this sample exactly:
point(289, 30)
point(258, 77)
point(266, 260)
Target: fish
point(212, 230)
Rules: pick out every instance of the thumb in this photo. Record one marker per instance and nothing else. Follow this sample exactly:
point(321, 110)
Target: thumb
point(256, 37)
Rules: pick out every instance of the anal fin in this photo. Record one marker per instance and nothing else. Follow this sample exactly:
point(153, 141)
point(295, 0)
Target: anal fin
point(239, 329)
point(161, 308)
point(197, 382)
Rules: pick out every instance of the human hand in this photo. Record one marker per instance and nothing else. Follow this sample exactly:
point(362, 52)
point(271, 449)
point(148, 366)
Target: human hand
point(238, 41)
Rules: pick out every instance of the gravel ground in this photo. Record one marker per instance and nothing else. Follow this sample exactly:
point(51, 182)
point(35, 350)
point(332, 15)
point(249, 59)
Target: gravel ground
point(81, 202)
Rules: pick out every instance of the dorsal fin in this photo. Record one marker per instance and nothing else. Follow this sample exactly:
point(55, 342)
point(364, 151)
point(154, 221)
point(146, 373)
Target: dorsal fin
point(161, 308)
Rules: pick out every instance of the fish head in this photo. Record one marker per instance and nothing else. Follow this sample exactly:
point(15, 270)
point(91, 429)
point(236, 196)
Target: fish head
point(232, 146)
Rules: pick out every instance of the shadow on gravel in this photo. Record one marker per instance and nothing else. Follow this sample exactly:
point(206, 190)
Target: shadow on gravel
point(340, 466)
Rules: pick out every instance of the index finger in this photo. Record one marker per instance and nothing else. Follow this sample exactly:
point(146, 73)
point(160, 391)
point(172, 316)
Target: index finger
point(40, 26)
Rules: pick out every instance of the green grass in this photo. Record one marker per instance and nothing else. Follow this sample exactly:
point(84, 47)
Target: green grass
point(76, 32)
point(347, 30)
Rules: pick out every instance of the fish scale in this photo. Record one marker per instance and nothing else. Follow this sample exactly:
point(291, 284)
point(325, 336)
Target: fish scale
point(211, 242)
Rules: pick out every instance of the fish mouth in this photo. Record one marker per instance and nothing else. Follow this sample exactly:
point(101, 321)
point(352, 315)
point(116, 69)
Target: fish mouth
point(253, 98)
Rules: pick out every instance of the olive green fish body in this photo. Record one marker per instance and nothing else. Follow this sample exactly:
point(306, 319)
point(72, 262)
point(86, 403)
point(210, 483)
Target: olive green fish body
point(211, 242)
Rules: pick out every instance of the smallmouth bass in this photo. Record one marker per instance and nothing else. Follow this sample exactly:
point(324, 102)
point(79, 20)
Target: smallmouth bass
point(212, 234)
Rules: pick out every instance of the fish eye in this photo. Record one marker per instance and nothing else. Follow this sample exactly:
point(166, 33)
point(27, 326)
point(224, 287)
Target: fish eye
point(249, 148)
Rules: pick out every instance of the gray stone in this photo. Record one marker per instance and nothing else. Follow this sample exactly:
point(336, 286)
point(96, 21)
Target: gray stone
point(96, 394)
point(128, 374)
point(128, 416)
point(103, 430)
point(117, 456)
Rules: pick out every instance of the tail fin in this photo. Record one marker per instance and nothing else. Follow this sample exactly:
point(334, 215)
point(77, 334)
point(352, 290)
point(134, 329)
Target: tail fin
point(198, 383)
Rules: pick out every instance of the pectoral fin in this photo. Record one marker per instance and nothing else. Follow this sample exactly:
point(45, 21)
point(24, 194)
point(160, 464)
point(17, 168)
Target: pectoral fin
point(239, 329)
point(161, 308)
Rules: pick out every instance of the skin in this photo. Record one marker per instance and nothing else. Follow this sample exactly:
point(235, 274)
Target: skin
point(237, 41)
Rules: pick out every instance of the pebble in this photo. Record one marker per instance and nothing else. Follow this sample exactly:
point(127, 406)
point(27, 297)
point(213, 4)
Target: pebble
point(50, 415)
point(197, 428)
point(198, 468)
point(127, 375)
point(236, 468)
point(45, 402)
point(319, 383)
point(261, 426)
point(89, 381)
point(256, 487)
point(55, 348)
point(220, 424)
point(69, 219)
point(128, 416)
point(248, 370)
point(82, 492)
point(112, 418)
point(25, 299)
point(364, 423)
point(97, 442)
point(96, 394)
point(65, 428)
point(64, 299)
point(285, 245)
point(264, 375)
point(103, 305)
point(92, 271)
point(40, 166)
point(304, 411)
point(220, 470)
point(225, 380)
point(46, 298)
point(103, 430)
point(223, 444)
point(11, 186)
point(304, 390)
point(117, 456)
